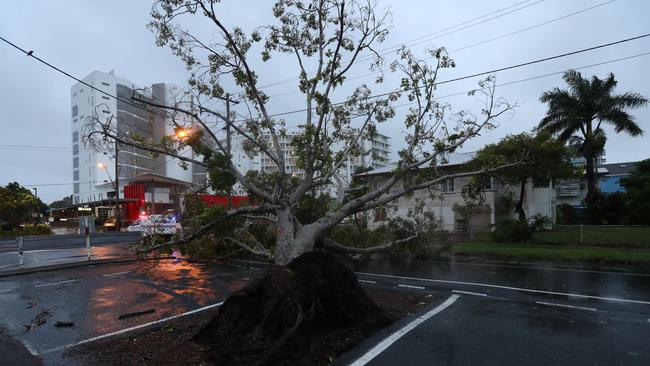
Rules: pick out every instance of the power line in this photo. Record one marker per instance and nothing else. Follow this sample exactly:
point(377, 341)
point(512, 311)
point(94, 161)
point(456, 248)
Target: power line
point(525, 79)
point(481, 42)
point(391, 48)
point(537, 77)
point(528, 63)
point(31, 54)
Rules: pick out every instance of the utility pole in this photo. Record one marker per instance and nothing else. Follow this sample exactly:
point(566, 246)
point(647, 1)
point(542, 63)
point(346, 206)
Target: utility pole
point(118, 224)
point(35, 215)
point(229, 197)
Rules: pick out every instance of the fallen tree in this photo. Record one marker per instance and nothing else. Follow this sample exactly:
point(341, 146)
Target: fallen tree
point(326, 38)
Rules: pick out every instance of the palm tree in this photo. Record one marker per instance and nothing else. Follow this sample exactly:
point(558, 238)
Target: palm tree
point(576, 114)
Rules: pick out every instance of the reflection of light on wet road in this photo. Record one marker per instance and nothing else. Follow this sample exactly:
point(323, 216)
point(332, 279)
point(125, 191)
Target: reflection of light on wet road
point(168, 287)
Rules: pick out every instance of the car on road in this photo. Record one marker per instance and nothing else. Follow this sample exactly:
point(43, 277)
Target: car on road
point(155, 225)
point(110, 224)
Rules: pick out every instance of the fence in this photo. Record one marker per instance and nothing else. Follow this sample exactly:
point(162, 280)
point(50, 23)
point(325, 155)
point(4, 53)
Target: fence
point(620, 235)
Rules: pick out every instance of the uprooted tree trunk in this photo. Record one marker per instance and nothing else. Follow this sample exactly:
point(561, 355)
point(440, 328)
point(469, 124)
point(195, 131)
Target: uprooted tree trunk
point(276, 319)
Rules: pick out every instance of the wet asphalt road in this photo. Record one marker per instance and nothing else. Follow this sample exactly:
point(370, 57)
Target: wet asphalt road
point(505, 313)
point(57, 249)
point(517, 314)
point(94, 297)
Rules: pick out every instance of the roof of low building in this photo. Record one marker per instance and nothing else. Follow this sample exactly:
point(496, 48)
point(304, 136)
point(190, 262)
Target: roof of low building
point(624, 168)
point(453, 159)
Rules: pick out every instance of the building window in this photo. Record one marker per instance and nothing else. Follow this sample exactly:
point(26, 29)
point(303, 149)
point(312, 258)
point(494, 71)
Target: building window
point(76, 188)
point(487, 182)
point(75, 149)
point(75, 175)
point(105, 111)
point(447, 185)
point(75, 136)
point(106, 84)
point(75, 162)
point(75, 111)
point(105, 97)
point(380, 214)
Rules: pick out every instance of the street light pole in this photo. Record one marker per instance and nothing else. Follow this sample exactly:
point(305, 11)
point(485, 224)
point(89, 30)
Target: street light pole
point(118, 224)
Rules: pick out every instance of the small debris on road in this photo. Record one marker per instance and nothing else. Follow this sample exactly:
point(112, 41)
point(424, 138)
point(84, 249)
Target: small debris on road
point(63, 324)
point(39, 319)
point(137, 313)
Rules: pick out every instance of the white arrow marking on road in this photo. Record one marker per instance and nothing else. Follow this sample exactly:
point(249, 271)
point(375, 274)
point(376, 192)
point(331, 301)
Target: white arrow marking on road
point(55, 283)
point(387, 342)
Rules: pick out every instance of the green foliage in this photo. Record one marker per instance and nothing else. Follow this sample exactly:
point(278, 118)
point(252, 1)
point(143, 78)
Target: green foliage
point(17, 205)
point(637, 196)
point(576, 114)
point(510, 231)
point(64, 202)
point(28, 230)
point(607, 209)
point(214, 244)
point(566, 215)
point(540, 223)
point(312, 207)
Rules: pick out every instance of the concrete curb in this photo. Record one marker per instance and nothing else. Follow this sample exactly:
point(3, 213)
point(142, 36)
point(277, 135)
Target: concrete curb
point(55, 267)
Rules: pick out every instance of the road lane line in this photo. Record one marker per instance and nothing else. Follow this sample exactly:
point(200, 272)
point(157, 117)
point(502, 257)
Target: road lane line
point(508, 288)
point(126, 330)
point(55, 283)
point(469, 293)
point(565, 306)
point(410, 286)
point(115, 274)
point(387, 342)
point(537, 268)
point(367, 281)
point(30, 347)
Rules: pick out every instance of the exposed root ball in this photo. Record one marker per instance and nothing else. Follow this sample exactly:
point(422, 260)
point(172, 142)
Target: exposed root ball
point(277, 318)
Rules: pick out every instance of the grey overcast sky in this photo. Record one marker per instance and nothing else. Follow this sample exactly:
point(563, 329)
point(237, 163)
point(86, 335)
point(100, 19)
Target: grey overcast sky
point(81, 36)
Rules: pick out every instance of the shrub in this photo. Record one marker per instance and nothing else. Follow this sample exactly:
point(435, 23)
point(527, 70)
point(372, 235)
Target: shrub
point(510, 231)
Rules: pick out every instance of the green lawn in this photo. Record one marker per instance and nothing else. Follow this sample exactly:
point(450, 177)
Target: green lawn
point(553, 252)
point(601, 235)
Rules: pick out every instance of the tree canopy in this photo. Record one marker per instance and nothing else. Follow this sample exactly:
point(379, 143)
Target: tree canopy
point(542, 158)
point(324, 39)
point(17, 204)
point(581, 112)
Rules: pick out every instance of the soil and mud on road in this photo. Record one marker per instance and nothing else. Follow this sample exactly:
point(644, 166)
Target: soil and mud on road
point(307, 313)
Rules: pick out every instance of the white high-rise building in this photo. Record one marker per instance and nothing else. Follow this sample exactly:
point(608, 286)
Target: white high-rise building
point(375, 153)
point(94, 171)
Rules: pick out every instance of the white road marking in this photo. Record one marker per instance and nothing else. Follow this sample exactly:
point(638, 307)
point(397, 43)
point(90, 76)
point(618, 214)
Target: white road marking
point(565, 306)
point(409, 286)
point(366, 281)
point(387, 342)
point(115, 274)
point(30, 347)
point(469, 293)
point(508, 288)
point(533, 267)
point(54, 283)
point(126, 330)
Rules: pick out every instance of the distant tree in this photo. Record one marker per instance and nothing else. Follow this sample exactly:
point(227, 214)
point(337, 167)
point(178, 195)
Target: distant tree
point(17, 204)
point(543, 158)
point(581, 110)
point(637, 196)
point(63, 202)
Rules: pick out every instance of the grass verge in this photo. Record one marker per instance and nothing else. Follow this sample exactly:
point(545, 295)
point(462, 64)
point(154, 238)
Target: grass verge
point(553, 252)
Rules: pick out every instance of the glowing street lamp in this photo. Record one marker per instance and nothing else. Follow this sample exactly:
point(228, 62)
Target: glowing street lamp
point(182, 133)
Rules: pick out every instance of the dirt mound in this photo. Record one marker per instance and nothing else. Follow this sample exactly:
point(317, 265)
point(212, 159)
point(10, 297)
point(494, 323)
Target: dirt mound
point(293, 315)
